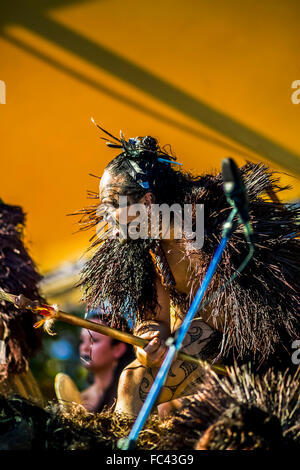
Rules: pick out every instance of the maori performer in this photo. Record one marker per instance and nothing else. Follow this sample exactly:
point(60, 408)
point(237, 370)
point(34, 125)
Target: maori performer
point(152, 281)
point(18, 339)
point(104, 358)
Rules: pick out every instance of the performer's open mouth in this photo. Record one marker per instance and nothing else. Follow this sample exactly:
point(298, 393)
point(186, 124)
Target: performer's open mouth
point(119, 232)
point(86, 359)
point(116, 232)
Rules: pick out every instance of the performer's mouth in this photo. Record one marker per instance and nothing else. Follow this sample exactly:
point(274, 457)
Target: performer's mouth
point(86, 359)
point(120, 232)
point(116, 232)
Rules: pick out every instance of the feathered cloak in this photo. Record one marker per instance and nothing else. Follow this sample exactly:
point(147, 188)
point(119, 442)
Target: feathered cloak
point(261, 306)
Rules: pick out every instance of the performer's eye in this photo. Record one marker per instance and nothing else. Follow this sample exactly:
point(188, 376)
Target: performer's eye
point(110, 203)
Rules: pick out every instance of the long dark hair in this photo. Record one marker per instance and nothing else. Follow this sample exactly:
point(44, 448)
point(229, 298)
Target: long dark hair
point(110, 393)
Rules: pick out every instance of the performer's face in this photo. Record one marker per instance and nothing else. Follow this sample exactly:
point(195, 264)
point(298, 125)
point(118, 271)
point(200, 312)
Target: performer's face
point(97, 351)
point(109, 192)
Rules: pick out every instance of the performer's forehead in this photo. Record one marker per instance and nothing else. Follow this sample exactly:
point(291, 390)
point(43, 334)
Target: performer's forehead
point(108, 184)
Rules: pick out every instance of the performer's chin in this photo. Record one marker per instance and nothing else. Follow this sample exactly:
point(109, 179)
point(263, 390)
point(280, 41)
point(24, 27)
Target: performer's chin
point(86, 360)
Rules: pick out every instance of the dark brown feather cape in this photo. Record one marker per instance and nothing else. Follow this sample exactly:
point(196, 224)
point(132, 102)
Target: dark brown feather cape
point(261, 306)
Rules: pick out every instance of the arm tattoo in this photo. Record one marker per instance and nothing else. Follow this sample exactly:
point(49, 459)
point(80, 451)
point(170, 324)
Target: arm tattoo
point(181, 374)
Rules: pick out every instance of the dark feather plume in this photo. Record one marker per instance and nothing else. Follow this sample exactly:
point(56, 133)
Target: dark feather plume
point(18, 275)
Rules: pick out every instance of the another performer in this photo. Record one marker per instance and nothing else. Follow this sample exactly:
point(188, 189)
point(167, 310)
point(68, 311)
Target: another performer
point(153, 280)
point(18, 339)
point(105, 358)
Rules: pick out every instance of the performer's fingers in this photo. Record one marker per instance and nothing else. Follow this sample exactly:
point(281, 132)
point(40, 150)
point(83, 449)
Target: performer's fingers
point(155, 350)
point(153, 354)
point(143, 354)
point(153, 345)
point(158, 356)
point(149, 335)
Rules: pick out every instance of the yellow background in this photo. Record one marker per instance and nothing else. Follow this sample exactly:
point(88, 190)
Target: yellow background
point(212, 78)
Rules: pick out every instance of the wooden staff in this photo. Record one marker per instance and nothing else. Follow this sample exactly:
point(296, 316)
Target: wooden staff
point(51, 314)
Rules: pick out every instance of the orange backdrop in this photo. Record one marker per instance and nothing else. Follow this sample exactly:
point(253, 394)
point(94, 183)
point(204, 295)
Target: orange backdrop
point(212, 78)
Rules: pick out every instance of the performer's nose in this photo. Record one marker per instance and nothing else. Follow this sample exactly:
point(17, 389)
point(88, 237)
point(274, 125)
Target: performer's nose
point(84, 348)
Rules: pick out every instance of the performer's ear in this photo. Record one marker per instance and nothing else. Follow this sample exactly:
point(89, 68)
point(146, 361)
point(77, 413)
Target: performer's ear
point(148, 199)
point(119, 350)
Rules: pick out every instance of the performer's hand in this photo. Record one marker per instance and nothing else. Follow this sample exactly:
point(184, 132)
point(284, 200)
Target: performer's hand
point(153, 354)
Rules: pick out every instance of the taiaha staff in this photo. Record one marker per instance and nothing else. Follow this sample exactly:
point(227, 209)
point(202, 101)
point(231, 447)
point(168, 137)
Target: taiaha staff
point(51, 313)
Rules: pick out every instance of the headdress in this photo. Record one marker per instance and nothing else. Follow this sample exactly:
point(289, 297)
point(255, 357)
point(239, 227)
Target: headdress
point(138, 152)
